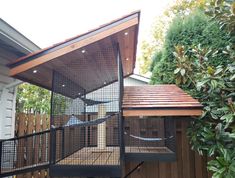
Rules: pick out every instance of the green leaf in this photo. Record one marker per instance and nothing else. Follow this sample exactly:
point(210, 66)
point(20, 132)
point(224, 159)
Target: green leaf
point(232, 135)
point(182, 71)
point(228, 118)
point(232, 77)
point(177, 70)
point(218, 71)
point(214, 84)
point(211, 151)
point(175, 54)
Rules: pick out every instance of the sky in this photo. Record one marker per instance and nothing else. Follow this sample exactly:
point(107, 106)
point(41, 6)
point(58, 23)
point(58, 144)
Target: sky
point(46, 22)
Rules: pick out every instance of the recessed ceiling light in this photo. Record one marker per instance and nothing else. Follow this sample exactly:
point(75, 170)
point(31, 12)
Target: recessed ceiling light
point(79, 93)
point(126, 33)
point(63, 85)
point(127, 59)
point(35, 71)
point(83, 51)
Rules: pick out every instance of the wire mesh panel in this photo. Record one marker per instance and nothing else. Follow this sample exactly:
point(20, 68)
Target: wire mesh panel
point(150, 135)
point(22, 153)
point(85, 113)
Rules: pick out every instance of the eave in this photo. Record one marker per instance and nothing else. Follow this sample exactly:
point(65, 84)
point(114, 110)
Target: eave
point(159, 100)
point(102, 41)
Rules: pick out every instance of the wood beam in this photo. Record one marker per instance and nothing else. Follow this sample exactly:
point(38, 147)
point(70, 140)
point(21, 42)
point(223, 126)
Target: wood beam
point(162, 112)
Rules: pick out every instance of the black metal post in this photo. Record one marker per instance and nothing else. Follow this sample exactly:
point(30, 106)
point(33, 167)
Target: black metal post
point(53, 146)
point(1, 156)
point(89, 131)
point(62, 142)
point(85, 119)
point(52, 127)
point(120, 115)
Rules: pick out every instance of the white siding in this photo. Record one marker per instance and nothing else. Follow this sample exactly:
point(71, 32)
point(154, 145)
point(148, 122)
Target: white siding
point(7, 105)
point(133, 82)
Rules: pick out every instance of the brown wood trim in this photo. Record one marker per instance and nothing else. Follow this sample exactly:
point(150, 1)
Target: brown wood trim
point(164, 112)
point(72, 47)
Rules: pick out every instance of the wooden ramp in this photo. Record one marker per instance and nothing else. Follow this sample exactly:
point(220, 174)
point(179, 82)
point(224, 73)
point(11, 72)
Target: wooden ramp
point(93, 156)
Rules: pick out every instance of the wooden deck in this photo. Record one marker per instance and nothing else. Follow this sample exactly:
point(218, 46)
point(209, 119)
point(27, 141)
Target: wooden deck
point(159, 150)
point(93, 156)
point(108, 156)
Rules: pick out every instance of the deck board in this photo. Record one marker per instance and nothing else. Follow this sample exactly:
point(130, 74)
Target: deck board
point(108, 156)
point(93, 156)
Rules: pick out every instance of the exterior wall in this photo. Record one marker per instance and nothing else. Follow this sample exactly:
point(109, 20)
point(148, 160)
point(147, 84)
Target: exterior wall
point(7, 103)
point(130, 81)
point(12, 46)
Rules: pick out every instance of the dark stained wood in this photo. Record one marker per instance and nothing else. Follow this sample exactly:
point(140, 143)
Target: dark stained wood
point(159, 100)
point(188, 164)
point(93, 156)
point(74, 46)
point(91, 69)
point(29, 143)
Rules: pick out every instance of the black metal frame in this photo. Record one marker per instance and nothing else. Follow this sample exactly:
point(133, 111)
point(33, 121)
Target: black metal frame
point(121, 121)
point(31, 169)
point(88, 171)
point(166, 157)
point(27, 168)
point(57, 169)
point(0, 157)
point(169, 132)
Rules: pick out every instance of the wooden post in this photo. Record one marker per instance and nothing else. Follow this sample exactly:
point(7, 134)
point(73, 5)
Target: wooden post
point(101, 128)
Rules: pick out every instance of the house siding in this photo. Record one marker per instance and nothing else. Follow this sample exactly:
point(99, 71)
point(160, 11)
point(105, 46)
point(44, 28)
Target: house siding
point(133, 82)
point(7, 104)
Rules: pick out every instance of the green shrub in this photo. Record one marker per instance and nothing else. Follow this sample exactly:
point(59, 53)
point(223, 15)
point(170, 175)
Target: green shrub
point(189, 31)
point(195, 29)
point(200, 59)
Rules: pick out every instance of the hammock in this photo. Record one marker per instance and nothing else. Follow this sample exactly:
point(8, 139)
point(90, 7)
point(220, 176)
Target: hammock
point(148, 139)
point(73, 121)
point(90, 102)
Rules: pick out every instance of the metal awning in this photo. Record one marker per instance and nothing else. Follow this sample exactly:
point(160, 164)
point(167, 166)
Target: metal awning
point(159, 100)
point(79, 56)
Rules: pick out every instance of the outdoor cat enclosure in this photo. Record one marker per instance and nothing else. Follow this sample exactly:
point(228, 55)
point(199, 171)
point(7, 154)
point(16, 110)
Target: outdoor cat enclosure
point(96, 123)
point(150, 113)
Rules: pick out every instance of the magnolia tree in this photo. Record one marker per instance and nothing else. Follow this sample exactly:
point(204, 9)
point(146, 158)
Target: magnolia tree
point(214, 134)
point(198, 54)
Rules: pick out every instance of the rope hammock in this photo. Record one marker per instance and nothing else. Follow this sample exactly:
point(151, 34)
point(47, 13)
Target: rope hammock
point(148, 139)
point(73, 121)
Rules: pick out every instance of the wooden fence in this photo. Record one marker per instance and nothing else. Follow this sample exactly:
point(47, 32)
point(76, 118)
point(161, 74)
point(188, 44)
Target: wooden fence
point(188, 165)
point(27, 124)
